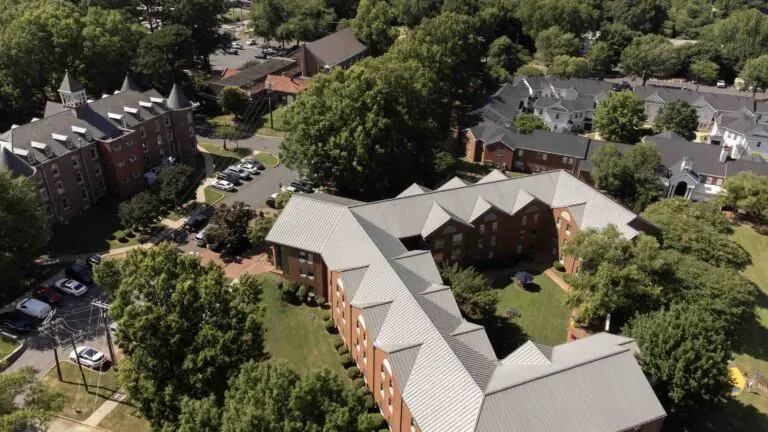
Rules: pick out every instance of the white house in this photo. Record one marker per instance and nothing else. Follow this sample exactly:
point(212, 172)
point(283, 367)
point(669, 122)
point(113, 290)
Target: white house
point(741, 133)
point(566, 115)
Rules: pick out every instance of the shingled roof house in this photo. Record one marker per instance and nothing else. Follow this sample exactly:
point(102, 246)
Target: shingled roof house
point(429, 369)
point(83, 150)
point(340, 49)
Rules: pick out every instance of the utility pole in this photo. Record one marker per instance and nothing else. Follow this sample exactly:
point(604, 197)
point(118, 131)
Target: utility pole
point(48, 328)
point(80, 365)
point(104, 309)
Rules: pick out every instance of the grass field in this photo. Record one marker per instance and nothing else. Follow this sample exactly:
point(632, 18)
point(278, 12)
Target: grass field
point(223, 158)
point(81, 404)
point(295, 334)
point(6, 347)
point(277, 120)
point(267, 158)
point(125, 418)
point(543, 316)
point(212, 196)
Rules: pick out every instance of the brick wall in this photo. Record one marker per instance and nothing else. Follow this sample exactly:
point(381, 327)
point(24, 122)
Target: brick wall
point(301, 267)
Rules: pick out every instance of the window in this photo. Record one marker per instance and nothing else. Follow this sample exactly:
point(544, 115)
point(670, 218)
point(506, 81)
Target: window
point(55, 170)
point(121, 164)
point(391, 391)
point(558, 222)
point(65, 203)
point(541, 111)
point(544, 155)
point(43, 192)
point(519, 249)
point(557, 116)
point(97, 170)
point(79, 176)
point(60, 187)
point(520, 152)
point(758, 143)
point(480, 245)
point(568, 229)
point(535, 218)
point(116, 147)
point(132, 159)
point(305, 257)
point(381, 386)
point(129, 143)
point(524, 221)
point(565, 159)
point(457, 238)
point(75, 162)
point(310, 275)
point(482, 228)
point(494, 226)
point(490, 254)
point(709, 180)
point(439, 243)
point(143, 132)
point(493, 240)
point(455, 254)
point(84, 193)
point(93, 153)
point(719, 182)
point(157, 125)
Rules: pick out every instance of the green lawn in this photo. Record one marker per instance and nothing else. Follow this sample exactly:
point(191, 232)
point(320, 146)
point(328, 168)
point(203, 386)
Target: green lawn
point(295, 334)
point(81, 404)
point(543, 315)
point(212, 196)
point(755, 357)
point(125, 417)
point(6, 347)
point(266, 128)
point(267, 158)
point(92, 231)
point(223, 158)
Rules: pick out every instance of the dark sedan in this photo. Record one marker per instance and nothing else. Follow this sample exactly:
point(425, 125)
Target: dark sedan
point(16, 322)
point(195, 223)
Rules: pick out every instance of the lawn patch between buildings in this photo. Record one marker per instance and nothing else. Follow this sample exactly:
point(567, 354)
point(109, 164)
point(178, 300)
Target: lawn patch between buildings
point(80, 404)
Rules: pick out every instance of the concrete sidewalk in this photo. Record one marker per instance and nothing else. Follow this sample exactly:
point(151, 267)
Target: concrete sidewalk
point(60, 424)
point(103, 411)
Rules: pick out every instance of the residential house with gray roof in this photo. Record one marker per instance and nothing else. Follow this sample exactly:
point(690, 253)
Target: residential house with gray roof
point(339, 49)
point(83, 150)
point(429, 369)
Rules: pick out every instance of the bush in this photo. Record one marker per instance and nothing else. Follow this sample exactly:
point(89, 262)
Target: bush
point(353, 372)
point(338, 342)
point(347, 360)
point(303, 293)
point(370, 422)
point(359, 383)
point(289, 292)
point(330, 327)
point(326, 316)
point(368, 401)
point(129, 233)
point(320, 300)
point(342, 350)
point(558, 266)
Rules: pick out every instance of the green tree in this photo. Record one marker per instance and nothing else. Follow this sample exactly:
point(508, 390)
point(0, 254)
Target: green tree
point(685, 357)
point(645, 16)
point(504, 57)
point(746, 192)
point(632, 177)
point(688, 18)
point(175, 184)
point(476, 299)
point(601, 59)
point(679, 117)
point(204, 17)
point(266, 17)
point(649, 56)
point(107, 275)
point(282, 199)
point(266, 397)
point(529, 71)
point(307, 20)
point(229, 226)
point(565, 67)
point(396, 116)
point(617, 36)
point(259, 228)
point(199, 415)
point(233, 100)
point(573, 16)
point(755, 74)
point(526, 123)
point(185, 330)
point(741, 36)
point(25, 402)
point(374, 25)
point(163, 55)
point(697, 229)
point(464, 7)
point(554, 42)
point(620, 116)
point(24, 231)
point(411, 12)
point(704, 70)
point(141, 211)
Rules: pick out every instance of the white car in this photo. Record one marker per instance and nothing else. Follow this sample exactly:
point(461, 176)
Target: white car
point(90, 357)
point(240, 172)
point(237, 46)
point(251, 168)
point(223, 185)
point(34, 308)
point(720, 84)
point(288, 189)
point(71, 287)
point(250, 42)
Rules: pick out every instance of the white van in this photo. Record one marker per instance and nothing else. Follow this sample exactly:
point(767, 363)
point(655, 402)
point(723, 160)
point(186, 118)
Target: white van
point(34, 308)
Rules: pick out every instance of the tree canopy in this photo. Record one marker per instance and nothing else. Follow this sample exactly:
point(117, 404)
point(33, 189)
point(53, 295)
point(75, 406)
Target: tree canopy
point(646, 16)
point(755, 74)
point(746, 192)
point(504, 57)
point(649, 56)
point(141, 211)
point(741, 36)
point(229, 227)
point(476, 299)
point(259, 228)
point(565, 67)
point(677, 116)
point(284, 20)
point(233, 100)
point(24, 231)
point(705, 70)
point(25, 402)
point(175, 183)
point(184, 328)
point(554, 42)
point(601, 59)
point(164, 54)
point(573, 16)
point(631, 176)
point(526, 123)
point(374, 25)
point(620, 116)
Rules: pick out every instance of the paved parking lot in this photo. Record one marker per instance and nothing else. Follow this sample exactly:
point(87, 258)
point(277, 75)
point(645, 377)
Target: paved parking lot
point(78, 318)
point(220, 60)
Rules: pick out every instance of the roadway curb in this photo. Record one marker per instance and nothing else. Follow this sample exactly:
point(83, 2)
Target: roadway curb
point(6, 362)
point(276, 157)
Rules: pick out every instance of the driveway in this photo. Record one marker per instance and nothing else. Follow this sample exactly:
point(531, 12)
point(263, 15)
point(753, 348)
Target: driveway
point(78, 318)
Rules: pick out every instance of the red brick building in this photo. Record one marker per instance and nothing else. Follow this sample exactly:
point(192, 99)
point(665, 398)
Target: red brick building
point(427, 367)
point(84, 150)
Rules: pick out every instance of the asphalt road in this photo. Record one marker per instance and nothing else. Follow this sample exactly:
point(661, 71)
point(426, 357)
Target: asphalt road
point(78, 318)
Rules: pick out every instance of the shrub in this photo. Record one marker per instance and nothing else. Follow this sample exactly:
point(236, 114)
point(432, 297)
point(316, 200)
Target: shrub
point(320, 300)
point(353, 372)
point(359, 383)
point(346, 360)
point(337, 342)
point(342, 350)
point(326, 316)
point(129, 233)
point(368, 402)
point(330, 327)
point(558, 266)
point(370, 422)
point(119, 234)
point(289, 291)
point(303, 293)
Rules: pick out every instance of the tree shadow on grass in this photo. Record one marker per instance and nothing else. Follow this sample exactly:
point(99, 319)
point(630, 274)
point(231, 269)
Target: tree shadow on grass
point(734, 416)
point(505, 335)
point(753, 340)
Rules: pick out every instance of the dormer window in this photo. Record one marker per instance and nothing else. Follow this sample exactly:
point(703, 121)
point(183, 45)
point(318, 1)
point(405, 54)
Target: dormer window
point(148, 106)
point(43, 148)
point(133, 111)
point(30, 156)
point(84, 132)
point(117, 117)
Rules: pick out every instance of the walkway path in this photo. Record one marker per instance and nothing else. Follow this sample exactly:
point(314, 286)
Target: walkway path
point(59, 424)
point(558, 280)
point(200, 195)
point(103, 411)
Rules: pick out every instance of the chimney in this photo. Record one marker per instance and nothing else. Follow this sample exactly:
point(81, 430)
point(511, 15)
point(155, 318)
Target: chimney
point(723, 154)
point(687, 164)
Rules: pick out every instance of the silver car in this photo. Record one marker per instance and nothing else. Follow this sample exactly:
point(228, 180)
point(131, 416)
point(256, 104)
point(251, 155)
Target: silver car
point(251, 168)
point(71, 287)
point(223, 185)
point(240, 172)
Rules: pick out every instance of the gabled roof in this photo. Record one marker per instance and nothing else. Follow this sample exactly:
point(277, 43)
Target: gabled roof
point(580, 103)
point(337, 47)
point(552, 142)
point(256, 73)
point(69, 84)
point(414, 189)
point(14, 164)
point(452, 184)
point(436, 218)
point(286, 84)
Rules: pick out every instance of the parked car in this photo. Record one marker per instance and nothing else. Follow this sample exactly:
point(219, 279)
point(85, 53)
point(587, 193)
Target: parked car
point(47, 295)
point(253, 161)
point(624, 85)
point(237, 45)
point(251, 168)
point(34, 308)
point(16, 321)
point(269, 51)
point(195, 223)
point(721, 84)
point(80, 273)
point(90, 357)
point(93, 260)
point(200, 236)
point(230, 177)
point(235, 169)
point(223, 185)
point(250, 42)
point(302, 186)
point(271, 201)
point(288, 189)
point(71, 287)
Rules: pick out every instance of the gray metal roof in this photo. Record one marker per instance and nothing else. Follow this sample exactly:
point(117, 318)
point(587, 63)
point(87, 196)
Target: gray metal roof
point(177, 99)
point(128, 84)
point(705, 157)
point(552, 142)
point(256, 73)
point(70, 84)
point(336, 47)
point(445, 366)
point(414, 189)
